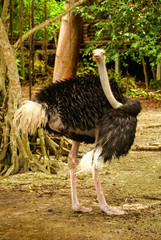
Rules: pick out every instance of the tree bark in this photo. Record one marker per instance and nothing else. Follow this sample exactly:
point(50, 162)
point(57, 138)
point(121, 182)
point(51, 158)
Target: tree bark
point(2, 76)
point(68, 46)
point(5, 12)
point(2, 62)
point(10, 60)
point(14, 98)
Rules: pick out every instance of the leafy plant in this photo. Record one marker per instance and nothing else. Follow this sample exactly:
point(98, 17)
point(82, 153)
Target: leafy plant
point(155, 84)
point(18, 61)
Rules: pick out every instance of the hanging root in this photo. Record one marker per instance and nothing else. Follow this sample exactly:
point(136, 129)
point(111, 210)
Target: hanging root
point(3, 169)
point(43, 149)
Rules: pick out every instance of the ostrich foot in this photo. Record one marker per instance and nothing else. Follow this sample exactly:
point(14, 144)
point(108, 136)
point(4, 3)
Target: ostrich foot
point(79, 208)
point(112, 210)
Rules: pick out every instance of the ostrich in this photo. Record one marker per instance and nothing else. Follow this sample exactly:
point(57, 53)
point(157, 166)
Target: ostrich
point(85, 110)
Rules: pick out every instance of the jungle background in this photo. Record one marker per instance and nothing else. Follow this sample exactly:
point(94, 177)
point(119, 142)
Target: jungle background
point(35, 38)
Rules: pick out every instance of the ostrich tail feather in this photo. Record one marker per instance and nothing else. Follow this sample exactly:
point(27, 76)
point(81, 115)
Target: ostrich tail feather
point(92, 159)
point(116, 134)
point(29, 117)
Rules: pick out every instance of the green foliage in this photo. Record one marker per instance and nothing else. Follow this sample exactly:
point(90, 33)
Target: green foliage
point(53, 8)
point(87, 65)
point(134, 27)
point(155, 84)
point(18, 61)
point(39, 66)
point(125, 83)
point(129, 87)
point(0, 9)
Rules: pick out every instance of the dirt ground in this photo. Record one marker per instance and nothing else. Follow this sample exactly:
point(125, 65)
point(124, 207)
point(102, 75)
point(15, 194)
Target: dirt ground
point(38, 206)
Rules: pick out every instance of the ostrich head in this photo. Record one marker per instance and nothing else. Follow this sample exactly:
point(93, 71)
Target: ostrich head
point(99, 57)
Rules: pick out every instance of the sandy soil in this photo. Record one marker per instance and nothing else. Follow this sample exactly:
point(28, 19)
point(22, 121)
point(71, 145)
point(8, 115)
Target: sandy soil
point(38, 207)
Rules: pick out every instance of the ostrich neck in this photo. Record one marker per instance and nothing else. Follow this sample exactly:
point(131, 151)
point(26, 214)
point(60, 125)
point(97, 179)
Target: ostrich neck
point(106, 85)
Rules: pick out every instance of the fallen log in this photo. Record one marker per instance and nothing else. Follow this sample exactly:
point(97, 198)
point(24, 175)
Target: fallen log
point(146, 148)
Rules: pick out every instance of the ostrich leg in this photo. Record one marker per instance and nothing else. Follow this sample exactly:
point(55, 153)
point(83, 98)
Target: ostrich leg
point(100, 195)
point(101, 199)
point(72, 163)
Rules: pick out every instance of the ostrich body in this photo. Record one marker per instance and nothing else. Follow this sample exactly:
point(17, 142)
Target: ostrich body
point(85, 110)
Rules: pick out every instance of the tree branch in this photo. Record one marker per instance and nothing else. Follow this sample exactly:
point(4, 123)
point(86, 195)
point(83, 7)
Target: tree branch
point(5, 11)
point(46, 23)
point(146, 148)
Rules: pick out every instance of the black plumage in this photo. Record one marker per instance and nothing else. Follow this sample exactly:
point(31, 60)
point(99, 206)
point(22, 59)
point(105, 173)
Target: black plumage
point(80, 102)
point(82, 105)
point(116, 134)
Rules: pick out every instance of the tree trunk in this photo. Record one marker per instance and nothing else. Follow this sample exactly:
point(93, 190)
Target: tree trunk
point(158, 73)
point(2, 62)
point(2, 77)
point(14, 99)
point(68, 46)
point(10, 60)
point(145, 75)
point(45, 38)
point(117, 65)
point(21, 42)
point(33, 43)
